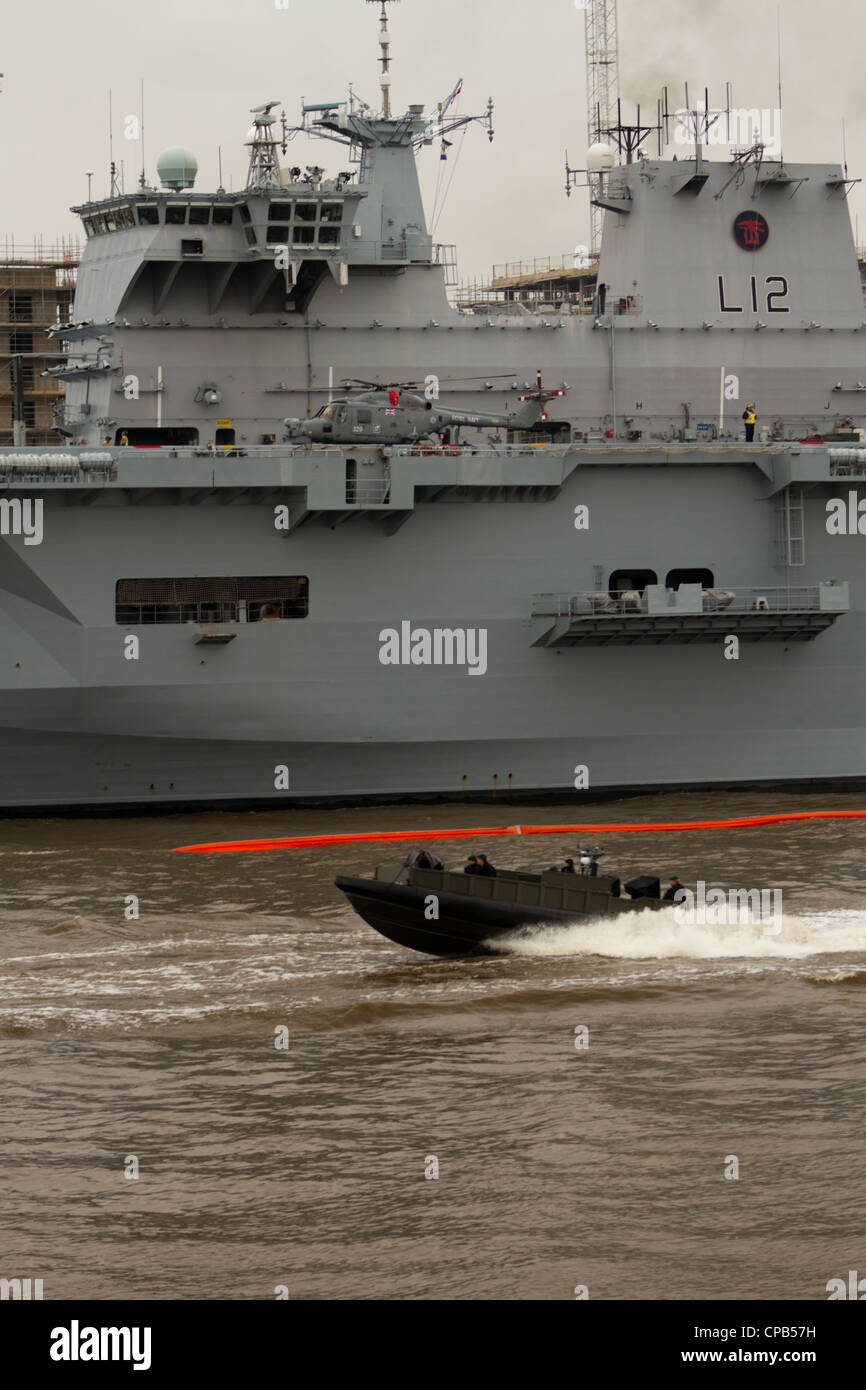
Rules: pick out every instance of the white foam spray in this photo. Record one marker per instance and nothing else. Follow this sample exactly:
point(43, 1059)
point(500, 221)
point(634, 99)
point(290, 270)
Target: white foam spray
point(659, 935)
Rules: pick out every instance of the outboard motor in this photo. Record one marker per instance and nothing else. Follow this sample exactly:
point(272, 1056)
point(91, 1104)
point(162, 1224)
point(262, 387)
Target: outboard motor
point(423, 859)
point(645, 886)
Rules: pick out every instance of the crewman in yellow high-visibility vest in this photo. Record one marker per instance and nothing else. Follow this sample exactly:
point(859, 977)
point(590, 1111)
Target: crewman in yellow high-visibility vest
point(750, 417)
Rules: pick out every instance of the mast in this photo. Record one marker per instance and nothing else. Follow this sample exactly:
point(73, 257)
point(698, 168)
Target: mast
point(385, 60)
point(602, 87)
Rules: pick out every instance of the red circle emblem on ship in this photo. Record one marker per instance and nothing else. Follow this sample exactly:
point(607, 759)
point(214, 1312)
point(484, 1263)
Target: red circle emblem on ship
point(751, 231)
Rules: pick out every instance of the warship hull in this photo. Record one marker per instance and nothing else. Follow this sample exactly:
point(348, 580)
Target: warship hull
point(323, 708)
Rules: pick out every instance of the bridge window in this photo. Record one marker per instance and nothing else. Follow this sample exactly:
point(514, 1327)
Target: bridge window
point(329, 236)
point(246, 215)
point(148, 215)
point(199, 216)
point(622, 581)
point(222, 600)
point(222, 215)
point(332, 212)
point(175, 214)
point(280, 212)
point(677, 577)
point(277, 235)
point(303, 236)
point(305, 212)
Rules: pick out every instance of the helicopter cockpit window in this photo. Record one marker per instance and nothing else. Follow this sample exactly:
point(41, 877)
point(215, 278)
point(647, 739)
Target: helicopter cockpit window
point(328, 411)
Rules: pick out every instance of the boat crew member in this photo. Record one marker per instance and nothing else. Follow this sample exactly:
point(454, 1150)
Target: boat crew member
point(585, 861)
point(124, 438)
point(568, 867)
point(472, 865)
point(750, 417)
point(676, 892)
point(485, 869)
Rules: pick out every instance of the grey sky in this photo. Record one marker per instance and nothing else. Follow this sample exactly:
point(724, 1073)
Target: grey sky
point(206, 62)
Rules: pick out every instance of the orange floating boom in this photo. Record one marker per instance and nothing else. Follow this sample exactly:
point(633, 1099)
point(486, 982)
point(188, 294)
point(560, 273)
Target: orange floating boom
point(488, 832)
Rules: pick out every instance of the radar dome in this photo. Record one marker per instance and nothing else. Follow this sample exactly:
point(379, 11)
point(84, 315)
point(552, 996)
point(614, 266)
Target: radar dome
point(600, 157)
point(177, 168)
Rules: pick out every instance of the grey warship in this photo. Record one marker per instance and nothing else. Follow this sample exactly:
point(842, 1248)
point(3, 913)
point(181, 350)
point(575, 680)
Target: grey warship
point(201, 603)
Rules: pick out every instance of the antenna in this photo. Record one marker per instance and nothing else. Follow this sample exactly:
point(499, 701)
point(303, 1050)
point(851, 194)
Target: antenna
point(112, 167)
point(779, 47)
point(220, 165)
point(602, 86)
point(384, 44)
point(142, 182)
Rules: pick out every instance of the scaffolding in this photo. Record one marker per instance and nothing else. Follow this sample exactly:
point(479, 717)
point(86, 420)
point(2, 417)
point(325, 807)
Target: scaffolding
point(37, 286)
point(537, 286)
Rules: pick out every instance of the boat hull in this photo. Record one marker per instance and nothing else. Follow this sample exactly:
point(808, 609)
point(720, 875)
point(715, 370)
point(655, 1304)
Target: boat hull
point(464, 926)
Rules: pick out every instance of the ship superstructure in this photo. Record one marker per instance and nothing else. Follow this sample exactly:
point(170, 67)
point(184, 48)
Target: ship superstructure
point(199, 606)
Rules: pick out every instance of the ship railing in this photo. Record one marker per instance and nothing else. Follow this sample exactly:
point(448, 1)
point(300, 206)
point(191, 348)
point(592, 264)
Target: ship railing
point(465, 450)
point(368, 494)
point(656, 601)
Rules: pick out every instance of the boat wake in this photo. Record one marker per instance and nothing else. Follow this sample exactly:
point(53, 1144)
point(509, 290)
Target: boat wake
point(660, 935)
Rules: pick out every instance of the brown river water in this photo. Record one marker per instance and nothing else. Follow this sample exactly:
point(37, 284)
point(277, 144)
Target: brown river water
point(150, 1045)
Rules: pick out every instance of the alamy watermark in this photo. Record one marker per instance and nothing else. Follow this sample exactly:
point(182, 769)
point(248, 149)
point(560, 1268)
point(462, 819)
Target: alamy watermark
point(438, 646)
point(846, 516)
point(22, 516)
point(741, 125)
point(20, 1289)
point(736, 907)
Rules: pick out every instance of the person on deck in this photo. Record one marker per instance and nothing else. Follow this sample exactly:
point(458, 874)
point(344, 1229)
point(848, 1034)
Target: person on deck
point(749, 417)
point(676, 892)
point(472, 866)
point(487, 870)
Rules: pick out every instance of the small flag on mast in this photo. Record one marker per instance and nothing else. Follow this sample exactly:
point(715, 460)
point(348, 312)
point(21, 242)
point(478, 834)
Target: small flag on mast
point(453, 97)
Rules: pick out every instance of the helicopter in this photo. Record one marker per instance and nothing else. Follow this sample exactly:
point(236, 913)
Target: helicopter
point(401, 414)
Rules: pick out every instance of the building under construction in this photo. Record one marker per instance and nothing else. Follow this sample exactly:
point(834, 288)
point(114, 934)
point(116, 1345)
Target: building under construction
point(539, 286)
point(36, 291)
